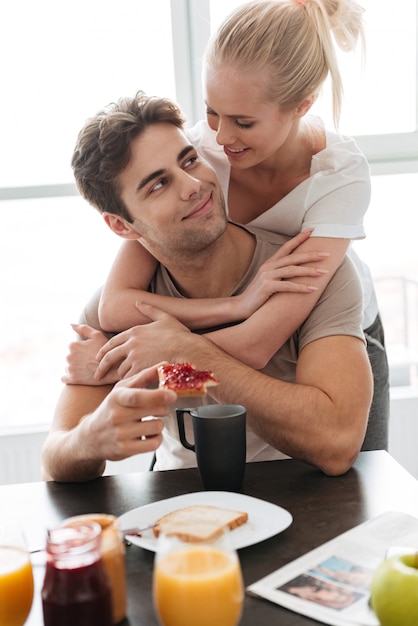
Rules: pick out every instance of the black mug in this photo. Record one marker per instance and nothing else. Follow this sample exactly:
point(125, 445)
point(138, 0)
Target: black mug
point(220, 444)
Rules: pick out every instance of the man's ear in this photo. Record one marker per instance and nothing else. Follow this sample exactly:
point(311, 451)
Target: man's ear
point(305, 105)
point(120, 226)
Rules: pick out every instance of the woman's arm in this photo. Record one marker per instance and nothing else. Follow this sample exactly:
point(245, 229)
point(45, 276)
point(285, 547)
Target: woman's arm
point(255, 340)
point(131, 272)
point(134, 267)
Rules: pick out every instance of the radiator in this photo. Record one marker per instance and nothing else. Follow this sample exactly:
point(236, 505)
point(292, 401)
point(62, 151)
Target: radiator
point(20, 453)
point(403, 427)
point(20, 459)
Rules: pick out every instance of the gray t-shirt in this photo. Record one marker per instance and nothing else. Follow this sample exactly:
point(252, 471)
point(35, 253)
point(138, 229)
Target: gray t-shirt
point(338, 312)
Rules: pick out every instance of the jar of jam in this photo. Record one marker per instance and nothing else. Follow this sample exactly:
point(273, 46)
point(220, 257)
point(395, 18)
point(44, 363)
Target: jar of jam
point(76, 589)
point(113, 555)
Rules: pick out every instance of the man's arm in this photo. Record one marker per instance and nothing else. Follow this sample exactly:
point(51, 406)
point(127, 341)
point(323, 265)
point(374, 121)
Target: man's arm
point(320, 419)
point(95, 424)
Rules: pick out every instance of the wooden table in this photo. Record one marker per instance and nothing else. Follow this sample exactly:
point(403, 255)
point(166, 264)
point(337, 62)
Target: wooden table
point(322, 507)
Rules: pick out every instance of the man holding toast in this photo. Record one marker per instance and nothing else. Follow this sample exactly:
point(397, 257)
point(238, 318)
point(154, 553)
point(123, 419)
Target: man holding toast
point(310, 401)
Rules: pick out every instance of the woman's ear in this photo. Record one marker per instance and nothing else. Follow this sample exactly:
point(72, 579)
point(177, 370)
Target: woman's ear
point(305, 105)
point(120, 226)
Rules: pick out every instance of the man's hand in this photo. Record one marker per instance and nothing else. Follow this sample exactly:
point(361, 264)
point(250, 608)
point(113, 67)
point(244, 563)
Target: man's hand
point(94, 424)
point(140, 346)
point(117, 428)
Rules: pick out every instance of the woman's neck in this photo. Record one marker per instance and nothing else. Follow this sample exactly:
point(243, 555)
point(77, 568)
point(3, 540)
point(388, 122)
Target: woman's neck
point(256, 189)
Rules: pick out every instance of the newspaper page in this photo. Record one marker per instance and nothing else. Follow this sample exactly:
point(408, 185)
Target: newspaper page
point(331, 583)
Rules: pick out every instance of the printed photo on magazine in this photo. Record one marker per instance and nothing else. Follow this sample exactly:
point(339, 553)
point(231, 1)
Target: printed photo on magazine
point(331, 583)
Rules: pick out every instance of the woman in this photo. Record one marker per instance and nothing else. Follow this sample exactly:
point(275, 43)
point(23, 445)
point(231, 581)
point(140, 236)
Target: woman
point(280, 170)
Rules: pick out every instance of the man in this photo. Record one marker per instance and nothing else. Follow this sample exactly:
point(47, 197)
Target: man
point(134, 163)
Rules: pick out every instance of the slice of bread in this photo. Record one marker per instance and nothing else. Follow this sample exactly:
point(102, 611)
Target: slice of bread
point(185, 379)
point(199, 522)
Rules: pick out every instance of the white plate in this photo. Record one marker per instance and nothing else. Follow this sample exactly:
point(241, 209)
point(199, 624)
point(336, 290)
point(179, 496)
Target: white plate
point(264, 519)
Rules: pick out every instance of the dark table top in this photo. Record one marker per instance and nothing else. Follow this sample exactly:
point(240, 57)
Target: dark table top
point(322, 507)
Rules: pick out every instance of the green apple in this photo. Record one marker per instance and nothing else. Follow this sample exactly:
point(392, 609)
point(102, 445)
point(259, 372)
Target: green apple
point(394, 591)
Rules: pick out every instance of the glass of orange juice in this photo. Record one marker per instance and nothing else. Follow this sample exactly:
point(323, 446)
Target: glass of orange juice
point(16, 579)
point(197, 583)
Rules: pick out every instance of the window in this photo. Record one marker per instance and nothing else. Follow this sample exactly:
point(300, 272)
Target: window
point(54, 253)
point(389, 250)
point(64, 62)
point(380, 91)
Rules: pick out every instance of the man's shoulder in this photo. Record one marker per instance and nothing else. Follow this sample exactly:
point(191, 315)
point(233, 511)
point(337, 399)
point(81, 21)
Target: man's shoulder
point(347, 271)
point(339, 310)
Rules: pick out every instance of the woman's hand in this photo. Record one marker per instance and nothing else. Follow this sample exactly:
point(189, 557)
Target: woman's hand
point(275, 274)
point(81, 358)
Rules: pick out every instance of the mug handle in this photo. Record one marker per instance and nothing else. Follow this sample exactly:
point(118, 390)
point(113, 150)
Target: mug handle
point(182, 432)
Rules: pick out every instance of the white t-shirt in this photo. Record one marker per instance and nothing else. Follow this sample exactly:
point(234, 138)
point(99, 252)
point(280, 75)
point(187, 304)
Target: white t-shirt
point(333, 200)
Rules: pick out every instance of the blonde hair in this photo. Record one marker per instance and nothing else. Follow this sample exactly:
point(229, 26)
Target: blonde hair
point(294, 41)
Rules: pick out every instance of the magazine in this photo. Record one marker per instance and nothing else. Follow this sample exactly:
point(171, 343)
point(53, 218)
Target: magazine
point(331, 583)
